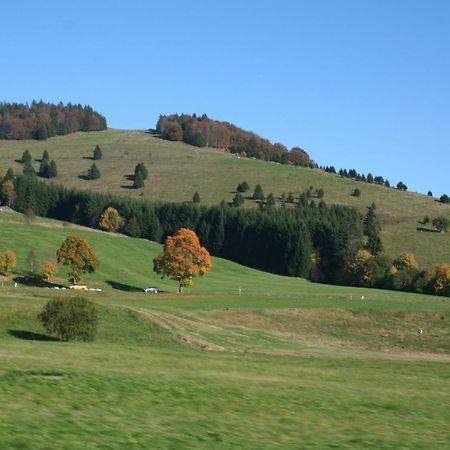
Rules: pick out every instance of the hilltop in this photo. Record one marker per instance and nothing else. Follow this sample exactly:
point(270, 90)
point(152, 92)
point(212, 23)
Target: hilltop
point(177, 171)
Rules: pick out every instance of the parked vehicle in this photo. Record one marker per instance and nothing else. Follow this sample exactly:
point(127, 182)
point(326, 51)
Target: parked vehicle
point(151, 290)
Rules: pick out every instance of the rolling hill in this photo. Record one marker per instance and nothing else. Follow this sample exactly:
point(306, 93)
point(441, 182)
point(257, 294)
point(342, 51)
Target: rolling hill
point(178, 170)
point(280, 362)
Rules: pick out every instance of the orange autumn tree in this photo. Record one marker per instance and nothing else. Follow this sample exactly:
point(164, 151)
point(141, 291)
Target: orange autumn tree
point(76, 253)
point(182, 258)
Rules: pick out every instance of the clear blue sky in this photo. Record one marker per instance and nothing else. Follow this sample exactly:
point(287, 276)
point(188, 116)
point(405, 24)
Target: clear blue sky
point(358, 84)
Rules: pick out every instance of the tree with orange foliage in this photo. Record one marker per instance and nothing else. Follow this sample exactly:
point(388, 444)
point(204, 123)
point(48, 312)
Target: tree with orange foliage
point(48, 269)
point(76, 252)
point(7, 261)
point(182, 258)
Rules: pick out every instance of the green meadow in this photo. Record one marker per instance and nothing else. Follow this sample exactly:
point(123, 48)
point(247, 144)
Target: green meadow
point(177, 170)
point(243, 359)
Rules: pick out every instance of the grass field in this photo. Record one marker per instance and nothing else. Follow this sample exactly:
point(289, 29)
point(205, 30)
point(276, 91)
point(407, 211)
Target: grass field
point(286, 364)
point(178, 170)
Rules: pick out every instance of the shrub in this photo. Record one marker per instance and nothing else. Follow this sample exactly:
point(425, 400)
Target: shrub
point(243, 187)
point(356, 192)
point(74, 319)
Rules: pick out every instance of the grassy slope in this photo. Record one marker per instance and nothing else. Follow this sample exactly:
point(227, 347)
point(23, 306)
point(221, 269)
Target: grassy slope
point(307, 366)
point(178, 170)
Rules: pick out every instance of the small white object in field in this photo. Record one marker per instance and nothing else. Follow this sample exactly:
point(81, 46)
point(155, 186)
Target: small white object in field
point(362, 297)
point(420, 331)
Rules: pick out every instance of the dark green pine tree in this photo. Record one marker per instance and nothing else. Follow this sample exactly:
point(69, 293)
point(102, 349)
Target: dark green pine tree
point(258, 194)
point(28, 169)
point(196, 197)
point(45, 156)
point(238, 200)
point(138, 181)
point(93, 172)
point(26, 157)
point(290, 198)
point(243, 187)
point(43, 168)
point(270, 202)
point(372, 231)
point(97, 155)
point(9, 175)
point(52, 171)
point(140, 168)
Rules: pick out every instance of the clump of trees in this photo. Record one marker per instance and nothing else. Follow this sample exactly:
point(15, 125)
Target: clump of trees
point(73, 319)
point(182, 258)
point(205, 132)
point(140, 174)
point(47, 168)
point(441, 223)
point(41, 120)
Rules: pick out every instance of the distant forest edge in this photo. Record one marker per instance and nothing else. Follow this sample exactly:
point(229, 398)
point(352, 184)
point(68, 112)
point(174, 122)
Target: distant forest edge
point(201, 131)
point(42, 120)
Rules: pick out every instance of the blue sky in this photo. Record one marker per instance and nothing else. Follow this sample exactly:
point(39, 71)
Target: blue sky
point(358, 84)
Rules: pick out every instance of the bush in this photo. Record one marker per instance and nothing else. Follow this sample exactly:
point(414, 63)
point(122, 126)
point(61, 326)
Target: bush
point(74, 319)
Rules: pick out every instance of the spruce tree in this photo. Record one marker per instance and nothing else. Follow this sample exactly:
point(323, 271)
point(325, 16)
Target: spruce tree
point(196, 197)
point(43, 168)
point(93, 172)
point(270, 202)
point(97, 155)
point(138, 181)
point(372, 231)
point(52, 171)
point(28, 169)
point(258, 194)
point(238, 199)
point(26, 157)
point(140, 168)
point(45, 156)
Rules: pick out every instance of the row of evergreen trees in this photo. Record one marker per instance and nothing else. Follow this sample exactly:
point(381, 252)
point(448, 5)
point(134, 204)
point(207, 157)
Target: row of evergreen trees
point(353, 174)
point(42, 120)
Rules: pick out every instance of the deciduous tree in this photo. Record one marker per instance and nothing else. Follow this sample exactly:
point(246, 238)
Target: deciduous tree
point(7, 261)
point(77, 253)
point(182, 258)
point(48, 269)
point(110, 220)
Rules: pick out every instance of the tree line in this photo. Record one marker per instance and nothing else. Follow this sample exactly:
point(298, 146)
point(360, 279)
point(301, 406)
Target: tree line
point(330, 244)
point(205, 132)
point(42, 120)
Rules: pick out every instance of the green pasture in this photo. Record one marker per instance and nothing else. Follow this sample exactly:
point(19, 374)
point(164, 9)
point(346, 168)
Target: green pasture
point(243, 359)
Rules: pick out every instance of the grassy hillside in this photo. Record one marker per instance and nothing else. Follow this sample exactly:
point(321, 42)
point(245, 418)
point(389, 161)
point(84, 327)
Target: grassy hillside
point(178, 170)
point(283, 364)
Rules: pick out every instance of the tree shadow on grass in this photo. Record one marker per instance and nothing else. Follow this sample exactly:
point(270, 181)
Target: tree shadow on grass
point(123, 287)
point(36, 282)
point(30, 336)
point(428, 230)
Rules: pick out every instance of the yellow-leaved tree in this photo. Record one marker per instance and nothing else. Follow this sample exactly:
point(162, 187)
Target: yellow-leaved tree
point(110, 220)
point(405, 261)
point(7, 261)
point(48, 269)
point(76, 253)
point(182, 258)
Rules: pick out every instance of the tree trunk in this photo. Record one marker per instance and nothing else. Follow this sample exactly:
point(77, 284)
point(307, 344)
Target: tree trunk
point(180, 289)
